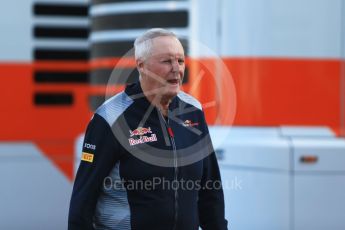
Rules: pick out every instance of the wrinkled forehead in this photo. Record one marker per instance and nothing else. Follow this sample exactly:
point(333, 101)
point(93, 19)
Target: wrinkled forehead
point(166, 46)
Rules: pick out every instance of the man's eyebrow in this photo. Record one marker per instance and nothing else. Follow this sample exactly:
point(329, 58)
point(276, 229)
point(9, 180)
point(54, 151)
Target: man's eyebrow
point(169, 55)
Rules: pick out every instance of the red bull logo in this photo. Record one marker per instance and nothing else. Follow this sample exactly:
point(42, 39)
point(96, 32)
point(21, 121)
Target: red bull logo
point(189, 123)
point(140, 131)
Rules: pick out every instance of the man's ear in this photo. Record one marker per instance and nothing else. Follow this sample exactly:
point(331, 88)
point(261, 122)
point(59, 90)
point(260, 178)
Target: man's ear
point(140, 64)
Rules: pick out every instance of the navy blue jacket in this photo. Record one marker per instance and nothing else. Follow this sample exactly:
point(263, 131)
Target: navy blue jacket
point(141, 170)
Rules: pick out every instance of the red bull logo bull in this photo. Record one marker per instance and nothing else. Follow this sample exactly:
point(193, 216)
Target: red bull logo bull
point(140, 131)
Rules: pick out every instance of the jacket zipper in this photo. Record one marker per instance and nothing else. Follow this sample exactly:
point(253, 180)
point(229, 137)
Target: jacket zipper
point(171, 136)
point(175, 174)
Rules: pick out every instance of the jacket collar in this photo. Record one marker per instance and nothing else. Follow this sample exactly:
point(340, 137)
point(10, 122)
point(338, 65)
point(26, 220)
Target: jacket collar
point(135, 92)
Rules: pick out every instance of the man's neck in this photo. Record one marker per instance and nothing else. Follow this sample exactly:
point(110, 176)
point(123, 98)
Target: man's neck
point(159, 101)
point(164, 107)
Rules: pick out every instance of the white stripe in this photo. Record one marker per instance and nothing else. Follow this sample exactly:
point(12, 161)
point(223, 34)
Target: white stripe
point(66, 43)
point(120, 35)
point(135, 7)
point(61, 21)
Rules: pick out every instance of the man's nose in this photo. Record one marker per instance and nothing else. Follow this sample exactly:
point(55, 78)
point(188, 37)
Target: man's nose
point(175, 66)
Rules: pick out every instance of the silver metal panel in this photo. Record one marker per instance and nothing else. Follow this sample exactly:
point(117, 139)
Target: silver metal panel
point(276, 28)
point(256, 199)
point(34, 194)
point(251, 147)
point(16, 31)
point(319, 201)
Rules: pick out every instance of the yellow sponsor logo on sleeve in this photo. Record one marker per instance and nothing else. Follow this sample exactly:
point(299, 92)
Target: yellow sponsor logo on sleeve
point(87, 157)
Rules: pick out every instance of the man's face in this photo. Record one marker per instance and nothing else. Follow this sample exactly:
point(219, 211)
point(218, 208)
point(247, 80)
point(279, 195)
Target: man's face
point(163, 69)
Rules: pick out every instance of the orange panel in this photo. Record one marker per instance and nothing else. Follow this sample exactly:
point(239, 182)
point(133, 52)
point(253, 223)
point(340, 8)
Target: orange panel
point(16, 100)
point(273, 92)
point(283, 91)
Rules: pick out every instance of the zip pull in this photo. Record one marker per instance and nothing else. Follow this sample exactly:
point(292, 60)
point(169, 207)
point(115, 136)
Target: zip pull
point(171, 133)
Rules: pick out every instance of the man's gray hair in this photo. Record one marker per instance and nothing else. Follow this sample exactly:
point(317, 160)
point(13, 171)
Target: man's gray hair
point(143, 43)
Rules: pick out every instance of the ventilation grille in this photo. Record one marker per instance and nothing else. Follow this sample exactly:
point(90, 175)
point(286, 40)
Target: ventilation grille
point(60, 32)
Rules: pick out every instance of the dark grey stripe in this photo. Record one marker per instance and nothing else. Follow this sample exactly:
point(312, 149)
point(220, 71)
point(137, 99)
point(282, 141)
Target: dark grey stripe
point(112, 49)
point(112, 209)
point(120, 48)
point(146, 20)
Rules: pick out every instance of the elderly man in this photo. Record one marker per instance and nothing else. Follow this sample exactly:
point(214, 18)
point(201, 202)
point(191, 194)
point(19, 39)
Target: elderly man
point(148, 162)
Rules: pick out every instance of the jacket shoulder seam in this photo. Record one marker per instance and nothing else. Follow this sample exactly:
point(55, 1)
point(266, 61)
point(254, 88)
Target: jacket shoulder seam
point(114, 107)
point(189, 100)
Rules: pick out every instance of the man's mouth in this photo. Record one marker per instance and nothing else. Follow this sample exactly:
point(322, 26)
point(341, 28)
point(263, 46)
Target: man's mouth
point(173, 81)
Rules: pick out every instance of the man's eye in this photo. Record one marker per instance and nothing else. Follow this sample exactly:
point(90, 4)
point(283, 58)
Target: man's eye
point(166, 61)
point(181, 61)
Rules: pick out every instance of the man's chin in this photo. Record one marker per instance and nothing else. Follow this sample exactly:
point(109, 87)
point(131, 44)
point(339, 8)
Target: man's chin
point(171, 93)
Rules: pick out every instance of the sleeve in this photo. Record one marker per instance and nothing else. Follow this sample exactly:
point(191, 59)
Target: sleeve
point(211, 197)
point(100, 152)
